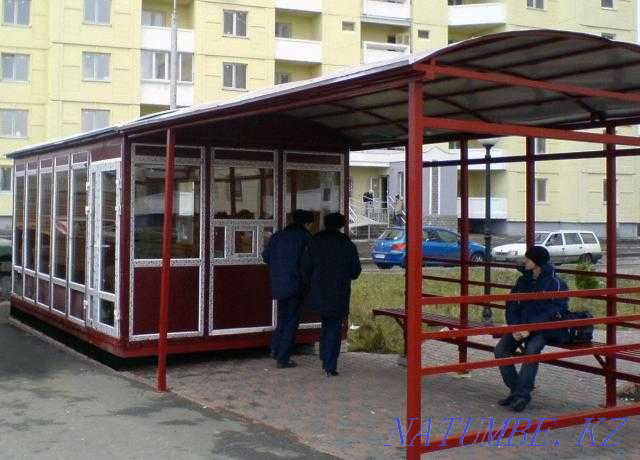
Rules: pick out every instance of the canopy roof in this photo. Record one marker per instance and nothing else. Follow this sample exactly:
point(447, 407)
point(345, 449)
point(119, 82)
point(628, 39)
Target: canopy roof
point(366, 106)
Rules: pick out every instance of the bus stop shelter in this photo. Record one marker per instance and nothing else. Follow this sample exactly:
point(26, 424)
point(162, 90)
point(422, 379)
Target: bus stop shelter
point(529, 84)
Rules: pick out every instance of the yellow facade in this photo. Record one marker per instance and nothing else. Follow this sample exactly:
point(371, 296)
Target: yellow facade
point(56, 92)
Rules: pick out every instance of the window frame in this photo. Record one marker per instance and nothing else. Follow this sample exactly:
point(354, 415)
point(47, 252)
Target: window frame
point(536, 5)
point(281, 74)
point(57, 281)
point(235, 14)
point(234, 73)
point(94, 54)
point(153, 13)
point(95, 20)
point(167, 66)
point(612, 7)
point(546, 190)
point(284, 26)
point(3, 173)
point(348, 26)
point(13, 79)
point(42, 170)
point(84, 112)
point(12, 135)
point(540, 145)
point(14, 21)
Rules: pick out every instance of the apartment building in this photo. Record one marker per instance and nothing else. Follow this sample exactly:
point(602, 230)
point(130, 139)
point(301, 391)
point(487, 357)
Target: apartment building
point(73, 65)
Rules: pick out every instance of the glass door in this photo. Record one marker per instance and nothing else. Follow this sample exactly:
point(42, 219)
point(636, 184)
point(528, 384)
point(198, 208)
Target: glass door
point(104, 244)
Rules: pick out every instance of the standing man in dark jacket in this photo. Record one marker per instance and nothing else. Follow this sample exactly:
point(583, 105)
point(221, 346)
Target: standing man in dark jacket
point(538, 276)
point(283, 254)
point(330, 264)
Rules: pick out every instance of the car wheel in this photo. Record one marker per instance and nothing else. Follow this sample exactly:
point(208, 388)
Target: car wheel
point(585, 259)
point(476, 257)
point(384, 266)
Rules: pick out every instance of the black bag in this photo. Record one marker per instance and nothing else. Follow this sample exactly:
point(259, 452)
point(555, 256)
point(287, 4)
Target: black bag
point(579, 334)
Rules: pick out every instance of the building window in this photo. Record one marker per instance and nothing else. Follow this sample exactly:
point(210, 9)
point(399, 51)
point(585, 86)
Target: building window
point(97, 11)
point(606, 3)
point(17, 12)
point(282, 77)
point(95, 66)
point(94, 119)
point(5, 178)
point(401, 183)
point(283, 30)
point(541, 191)
point(348, 26)
point(155, 66)
point(456, 2)
point(608, 36)
point(540, 145)
point(454, 145)
point(235, 23)
point(234, 75)
point(15, 67)
point(423, 34)
point(13, 123)
point(537, 4)
point(153, 18)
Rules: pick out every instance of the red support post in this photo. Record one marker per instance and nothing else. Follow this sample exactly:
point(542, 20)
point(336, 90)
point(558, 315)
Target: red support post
point(612, 236)
point(530, 177)
point(413, 166)
point(165, 277)
point(464, 241)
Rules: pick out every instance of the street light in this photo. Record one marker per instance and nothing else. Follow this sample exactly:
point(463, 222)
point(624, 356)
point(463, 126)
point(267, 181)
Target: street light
point(488, 144)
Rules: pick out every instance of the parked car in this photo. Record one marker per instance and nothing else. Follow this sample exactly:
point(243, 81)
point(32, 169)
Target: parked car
point(391, 248)
point(564, 246)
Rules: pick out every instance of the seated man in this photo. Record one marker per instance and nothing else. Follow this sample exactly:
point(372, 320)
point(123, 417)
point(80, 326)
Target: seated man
point(538, 276)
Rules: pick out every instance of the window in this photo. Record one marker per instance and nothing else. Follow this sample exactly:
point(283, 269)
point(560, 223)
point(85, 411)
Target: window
point(17, 12)
point(605, 196)
point(456, 2)
point(153, 18)
point(589, 238)
point(454, 145)
point(95, 66)
point(555, 240)
point(97, 11)
point(30, 238)
point(538, 4)
point(155, 66)
point(423, 34)
point(572, 238)
point(78, 241)
point(44, 264)
point(235, 23)
point(13, 123)
point(606, 3)
point(234, 75)
point(5, 178)
point(401, 183)
point(540, 145)
point(283, 30)
point(608, 36)
point(348, 26)
point(243, 193)
point(61, 224)
point(282, 77)
point(94, 119)
point(447, 237)
point(18, 234)
point(149, 211)
point(15, 67)
point(305, 190)
point(541, 190)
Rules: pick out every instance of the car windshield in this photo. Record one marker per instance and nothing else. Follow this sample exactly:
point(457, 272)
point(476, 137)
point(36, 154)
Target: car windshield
point(392, 234)
point(540, 237)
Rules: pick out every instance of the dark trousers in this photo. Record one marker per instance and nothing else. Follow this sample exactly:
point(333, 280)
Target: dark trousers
point(284, 336)
point(330, 338)
point(520, 383)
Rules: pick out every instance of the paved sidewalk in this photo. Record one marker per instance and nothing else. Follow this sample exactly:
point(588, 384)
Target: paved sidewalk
point(55, 405)
point(352, 416)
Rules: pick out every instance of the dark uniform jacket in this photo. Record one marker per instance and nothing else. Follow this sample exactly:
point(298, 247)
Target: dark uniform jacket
point(538, 311)
point(283, 255)
point(329, 264)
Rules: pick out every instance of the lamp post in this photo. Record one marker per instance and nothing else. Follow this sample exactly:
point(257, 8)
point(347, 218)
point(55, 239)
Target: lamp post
point(488, 144)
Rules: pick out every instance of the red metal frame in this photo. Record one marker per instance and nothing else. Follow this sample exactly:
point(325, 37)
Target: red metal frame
point(415, 296)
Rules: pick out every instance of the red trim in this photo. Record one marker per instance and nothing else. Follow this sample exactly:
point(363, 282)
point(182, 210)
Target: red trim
point(464, 240)
point(612, 236)
point(530, 194)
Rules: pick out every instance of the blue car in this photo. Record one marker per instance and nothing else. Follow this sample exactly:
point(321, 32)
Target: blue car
point(391, 248)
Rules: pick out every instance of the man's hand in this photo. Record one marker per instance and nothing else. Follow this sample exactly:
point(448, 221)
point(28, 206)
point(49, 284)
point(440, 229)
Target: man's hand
point(520, 335)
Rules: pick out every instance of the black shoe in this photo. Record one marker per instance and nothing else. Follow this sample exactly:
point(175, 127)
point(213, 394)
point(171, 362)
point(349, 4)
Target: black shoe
point(506, 401)
point(519, 404)
point(331, 373)
point(286, 365)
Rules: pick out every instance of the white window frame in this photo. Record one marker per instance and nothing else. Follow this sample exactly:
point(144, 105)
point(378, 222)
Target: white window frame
point(154, 14)
point(13, 134)
point(14, 20)
point(94, 66)
point(234, 78)
point(536, 4)
point(93, 113)
point(42, 170)
point(278, 78)
point(612, 7)
point(13, 67)
point(95, 19)
point(55, 281)
point(284, 27)
point(348, 26)
point(540, 145)
point(167, 69)
point(3, 173)
point(235, 15)
point(546, 190)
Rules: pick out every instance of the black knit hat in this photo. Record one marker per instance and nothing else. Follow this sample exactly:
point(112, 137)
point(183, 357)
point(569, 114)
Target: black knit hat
point(334, 221)
point(538, 255)
point(301, 216)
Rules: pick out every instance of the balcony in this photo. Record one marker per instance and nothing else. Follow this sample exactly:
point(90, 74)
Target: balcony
point(476, 208)
point(475, 154)
point(477, 14)
point(295, 50)
point(156, 92)
point(159, 38)
point(393, 12)
point(377, 51)
point(300, 6)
